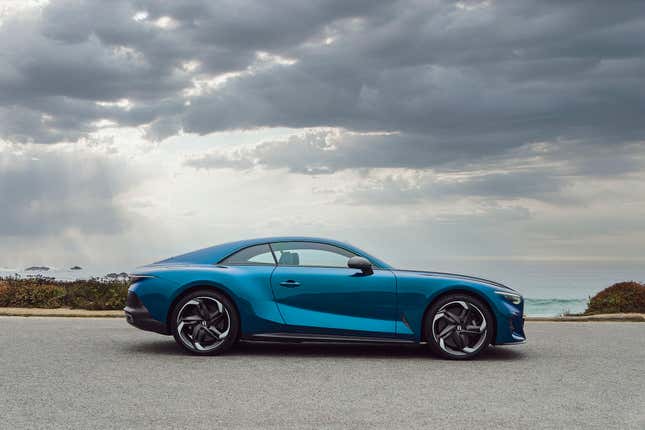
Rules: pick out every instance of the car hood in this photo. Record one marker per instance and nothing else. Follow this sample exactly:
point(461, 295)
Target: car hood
point(456, 276)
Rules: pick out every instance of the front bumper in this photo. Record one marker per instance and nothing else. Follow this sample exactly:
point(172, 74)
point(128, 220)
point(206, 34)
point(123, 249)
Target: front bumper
point(516, 329)
point(510, 324)
point(137, 315)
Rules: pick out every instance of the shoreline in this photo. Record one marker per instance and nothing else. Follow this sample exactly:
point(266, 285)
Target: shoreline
point(84, 313)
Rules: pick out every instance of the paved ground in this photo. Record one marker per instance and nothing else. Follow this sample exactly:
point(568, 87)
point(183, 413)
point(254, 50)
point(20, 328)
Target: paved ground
point(101, 373)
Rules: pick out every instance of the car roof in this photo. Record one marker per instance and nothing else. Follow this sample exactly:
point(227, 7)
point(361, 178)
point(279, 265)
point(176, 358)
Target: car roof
point(214, 254)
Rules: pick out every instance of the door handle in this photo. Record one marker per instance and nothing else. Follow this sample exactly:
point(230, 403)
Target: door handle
point(290, 283)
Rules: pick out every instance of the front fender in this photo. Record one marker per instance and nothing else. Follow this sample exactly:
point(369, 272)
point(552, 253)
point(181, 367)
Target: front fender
point(416, 292)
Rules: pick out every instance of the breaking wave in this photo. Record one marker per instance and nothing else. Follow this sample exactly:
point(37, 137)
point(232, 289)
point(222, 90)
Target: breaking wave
point(553, 307)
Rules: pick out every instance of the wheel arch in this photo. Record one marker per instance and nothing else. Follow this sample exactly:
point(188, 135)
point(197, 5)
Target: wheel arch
point(203, 285)
point(458, 289)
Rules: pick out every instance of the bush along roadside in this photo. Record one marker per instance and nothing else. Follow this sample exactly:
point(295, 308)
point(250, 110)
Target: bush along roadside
point(92, 294)
point(623, 297)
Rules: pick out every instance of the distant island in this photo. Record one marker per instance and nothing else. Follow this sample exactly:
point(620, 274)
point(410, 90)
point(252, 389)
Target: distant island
point(76, 268)
point(37, 269)
point(121, 275)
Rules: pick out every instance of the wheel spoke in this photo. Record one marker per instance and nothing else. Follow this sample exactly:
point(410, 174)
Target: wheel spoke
point(216, 319)
point(459, 341)
point(213, 332)
point(191, 319)
point(189, 323)
point(448, 330)
point(195, 334)
point(452, 317)
point(464, 314)
point(203, 310)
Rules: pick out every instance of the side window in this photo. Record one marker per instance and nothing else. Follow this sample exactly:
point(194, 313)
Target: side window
point(310, 254)
point(253, 255)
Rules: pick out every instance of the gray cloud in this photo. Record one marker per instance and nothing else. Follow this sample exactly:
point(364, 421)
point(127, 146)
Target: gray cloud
point(449, 79)
point(78, 53)
point(472, 82)
point(490, 187)
point(543, 171)
point(328, 151)
point(47, 193)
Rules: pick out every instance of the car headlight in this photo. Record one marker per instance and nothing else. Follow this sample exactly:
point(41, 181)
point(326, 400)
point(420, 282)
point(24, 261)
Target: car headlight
point(516, 299)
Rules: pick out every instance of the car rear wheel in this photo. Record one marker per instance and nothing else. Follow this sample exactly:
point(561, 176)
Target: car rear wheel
point(205, 322)
point(458, 326)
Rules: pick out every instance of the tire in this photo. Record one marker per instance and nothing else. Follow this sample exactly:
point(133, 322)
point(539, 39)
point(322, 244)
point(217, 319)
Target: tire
point(458, 326)
point(205, 322)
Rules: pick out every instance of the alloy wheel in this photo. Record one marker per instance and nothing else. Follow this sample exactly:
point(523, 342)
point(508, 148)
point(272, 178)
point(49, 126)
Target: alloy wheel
point(203, 323)
point(459, 328)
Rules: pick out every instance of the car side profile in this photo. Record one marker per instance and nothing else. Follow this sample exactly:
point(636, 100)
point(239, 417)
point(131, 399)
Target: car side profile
point(320, 290)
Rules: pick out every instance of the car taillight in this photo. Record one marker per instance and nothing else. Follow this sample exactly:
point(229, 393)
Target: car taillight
point(139, 278)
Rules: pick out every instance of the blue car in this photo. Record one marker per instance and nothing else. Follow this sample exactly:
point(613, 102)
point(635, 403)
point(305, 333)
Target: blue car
point(319, 290)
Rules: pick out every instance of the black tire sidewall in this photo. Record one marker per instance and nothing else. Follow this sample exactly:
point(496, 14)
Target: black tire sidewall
point(434, 345)
point(232, 311)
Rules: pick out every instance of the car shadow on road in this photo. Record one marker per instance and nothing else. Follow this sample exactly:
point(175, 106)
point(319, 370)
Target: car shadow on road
point(356, 350)
point(314, 350)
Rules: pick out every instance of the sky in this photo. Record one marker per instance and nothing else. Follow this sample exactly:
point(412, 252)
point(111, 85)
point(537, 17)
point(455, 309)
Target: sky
point(422, 131)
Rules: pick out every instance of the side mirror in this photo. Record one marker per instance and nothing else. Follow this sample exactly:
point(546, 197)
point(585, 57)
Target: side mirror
point(363, 264)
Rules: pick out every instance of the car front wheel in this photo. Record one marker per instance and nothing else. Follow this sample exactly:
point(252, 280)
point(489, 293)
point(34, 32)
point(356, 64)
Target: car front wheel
point(205, 322)
point(458, 326)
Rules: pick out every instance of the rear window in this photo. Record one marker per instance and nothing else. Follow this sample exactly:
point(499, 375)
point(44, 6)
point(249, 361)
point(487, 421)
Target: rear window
point(258, 255)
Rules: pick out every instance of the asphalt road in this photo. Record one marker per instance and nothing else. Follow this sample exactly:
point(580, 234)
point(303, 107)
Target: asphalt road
point(89, 373)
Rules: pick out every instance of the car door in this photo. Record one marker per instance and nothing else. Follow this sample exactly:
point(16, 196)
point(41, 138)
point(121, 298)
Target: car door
point(316, 292)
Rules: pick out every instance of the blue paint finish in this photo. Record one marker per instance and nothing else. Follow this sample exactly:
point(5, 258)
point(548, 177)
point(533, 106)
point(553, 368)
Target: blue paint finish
point(336, 298)
point(248, 286)
point(417, 290)
point(387, 303)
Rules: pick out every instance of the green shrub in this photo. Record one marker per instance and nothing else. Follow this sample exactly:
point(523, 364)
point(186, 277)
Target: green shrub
point(94, 294)
point(623, 297)
point(31, 295)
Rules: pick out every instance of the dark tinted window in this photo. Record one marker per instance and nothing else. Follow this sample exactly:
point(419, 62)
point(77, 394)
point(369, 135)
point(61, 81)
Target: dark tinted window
point(310, 254)
point(253, 255)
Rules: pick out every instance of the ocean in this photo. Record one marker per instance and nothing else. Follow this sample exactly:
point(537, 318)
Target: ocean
point(550, 287)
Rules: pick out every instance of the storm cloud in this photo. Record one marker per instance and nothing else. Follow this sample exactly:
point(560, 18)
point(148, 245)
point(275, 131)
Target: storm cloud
point(452, 77)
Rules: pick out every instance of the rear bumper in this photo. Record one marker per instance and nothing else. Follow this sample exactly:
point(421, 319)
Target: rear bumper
point(137, 315)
